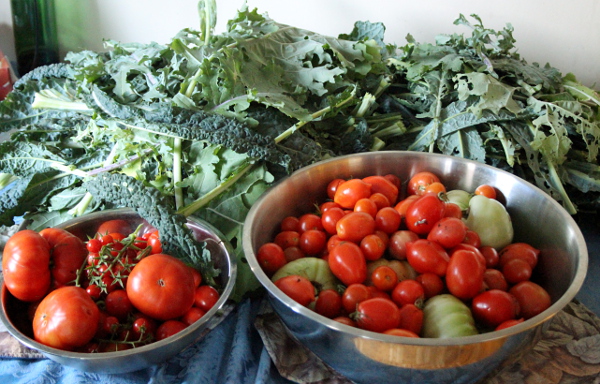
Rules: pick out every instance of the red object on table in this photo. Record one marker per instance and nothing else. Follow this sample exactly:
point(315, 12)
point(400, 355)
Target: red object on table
point(7, 77)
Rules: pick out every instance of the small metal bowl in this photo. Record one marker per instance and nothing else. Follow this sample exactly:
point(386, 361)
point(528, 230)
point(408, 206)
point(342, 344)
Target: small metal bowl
point(368, 357)
point(14, 312)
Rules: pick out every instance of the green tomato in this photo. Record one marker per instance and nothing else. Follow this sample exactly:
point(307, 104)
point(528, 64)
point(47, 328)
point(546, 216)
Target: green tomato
point(313, 268)
point(459, 197)
point(446, 316)
point(490, 220)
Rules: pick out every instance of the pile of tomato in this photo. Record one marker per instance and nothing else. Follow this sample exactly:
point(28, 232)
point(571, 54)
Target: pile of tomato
point(114, 292)
point(400, 259)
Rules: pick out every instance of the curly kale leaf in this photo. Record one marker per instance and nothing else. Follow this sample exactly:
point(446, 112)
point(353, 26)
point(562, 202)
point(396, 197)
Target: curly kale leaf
point(119, 190)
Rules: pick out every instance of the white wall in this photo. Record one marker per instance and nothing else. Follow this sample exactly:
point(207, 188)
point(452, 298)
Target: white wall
point(565, 34)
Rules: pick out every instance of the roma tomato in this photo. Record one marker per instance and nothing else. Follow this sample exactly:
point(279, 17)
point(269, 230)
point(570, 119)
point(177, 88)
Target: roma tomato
point(355, 226)
point(424, 213)
point(409, 292)
point(373, 247)
point(205, 297)
point(448, 232)
point(298, 288)
point(353, 295)
point(26, 265)
point(532, 298)
point(161, 286)
point(464, 277)
point(377, 315)
point(494, 307)
point(330, 218)
point(68, 254)
point(329, 303)
point(494, 279)
point(516, 270)
point(271, 257)
point(387, 220)
point(347, 263)
point(380, 184)
point(66, 318)
point(522, 251)
point(350, 191)
point(427, 256)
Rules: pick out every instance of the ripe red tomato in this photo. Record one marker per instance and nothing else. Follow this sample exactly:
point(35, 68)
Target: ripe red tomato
point(366, 205)
point(408, 291)
point(387, 220)
point(532, 298)
point(169, 328)
point(424, 213)
point(298, 288)
point(411, 318)
point(330, 218)
point(436, 187)
point(432, 284)
point(347, 263)
point(472, 238)
point(493, 307)
point(420, 181)
point(66, 318)
point(118, 304)
point(427, 256)
point(519, 251)
point(486, 190)
point(290, 223)
point(453, 210)
point(448, 232)
point(350, 191)
point(26, 265)
point(192, 315)
point(401, 332)
point(377, 315)
point(161, 286)
point(332, 187)
point(384, 278)
point(494, 279)
point(312, 242)
point(114, 226)
point(380, 184)
point(373, 247)
point(464, 277)
point(353, 295)
point(143, 326)
point(490, 254)
point(403, 205)
point(271, 257)
point(354, 226)
point(380, 200)
point(329, 303)
point(509, 323)
point(68, 254)
point(205, 297)
point(516, 270)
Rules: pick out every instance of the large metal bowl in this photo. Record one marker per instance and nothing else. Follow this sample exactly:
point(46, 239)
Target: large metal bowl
point(14, 312)
point(367, 357)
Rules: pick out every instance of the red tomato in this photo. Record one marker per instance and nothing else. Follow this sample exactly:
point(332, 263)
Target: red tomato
point(353, 295)
point(328, 205)
point(117, 225)
point(118, 304)
point(398, 240)
point(420, 181)
point(169, 328)
point(26, 265)
point(205, 297)
point(494, 307)
point(330, 218)
point(486, 190)
point(532, 298)
point(516, 270)
point(408, 291)
point(347, 263)
point(366, 205)
point(333, 186)
point(309, 221)
point(519, 251)
point(490, 254)
point(448, 232)
point(432, 284)
point(411, 318)
point(161, 286)
point(66, 318)
point(287, 239)
point(387, 220)
point(384, 278)
point(312, 242)
point(472, 238)
point(453, 210)
point(464, 277)
point(377, 315)
point(373, 247)
point(68, 254)
point(143, 326)
point(345, 320)
point(394, 180)
point(329, 303)
point(293, 253)
point(380, 200)
point(350, 191)
point(427, 256)
point(380, 184)
point(424, 213)
point(354, 226)
point(154, 243)
point(271, 257)
point(472, 248)
point(403, 205)
point(509, 323)
point(192, 315)
point(290, 223)
point(494, 279)
point(298, 288)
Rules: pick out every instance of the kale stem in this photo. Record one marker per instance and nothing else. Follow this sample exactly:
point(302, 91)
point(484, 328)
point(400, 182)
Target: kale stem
point(177, 173)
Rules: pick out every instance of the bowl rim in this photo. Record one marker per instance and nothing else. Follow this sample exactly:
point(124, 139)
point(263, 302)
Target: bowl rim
point(222, 308)
point(529, 324)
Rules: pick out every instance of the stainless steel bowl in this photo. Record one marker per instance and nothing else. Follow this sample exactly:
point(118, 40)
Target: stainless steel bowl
point(14, 312)
point(367, 357)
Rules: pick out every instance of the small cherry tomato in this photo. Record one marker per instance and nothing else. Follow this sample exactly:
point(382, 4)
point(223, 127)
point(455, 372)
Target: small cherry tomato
point(329, 303)
point(353, 295)
point(398, 240)
point(373, 247)
point(408, 291)
point(312, 242)
point(330, 218)
point(384, 278)
point(290, 223)
point(420, 181)
point(494, 279)
point(271, 257)
point(287, 239)
point(333, 186)
point(309, 221)
point(519, 251)
point(366, 205)
point(192, 315)
point(486, 190)
point(118, 304)
point(387, 220)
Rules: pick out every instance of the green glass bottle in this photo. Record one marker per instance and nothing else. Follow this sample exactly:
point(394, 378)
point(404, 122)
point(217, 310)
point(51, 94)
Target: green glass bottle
point(34, 26)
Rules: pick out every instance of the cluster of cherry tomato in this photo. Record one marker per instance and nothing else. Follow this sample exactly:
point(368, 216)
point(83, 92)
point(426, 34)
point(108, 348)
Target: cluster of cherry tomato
point(390, 251)
point(116, 291)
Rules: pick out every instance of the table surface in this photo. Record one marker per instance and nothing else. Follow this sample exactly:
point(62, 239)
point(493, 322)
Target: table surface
point(246, 348)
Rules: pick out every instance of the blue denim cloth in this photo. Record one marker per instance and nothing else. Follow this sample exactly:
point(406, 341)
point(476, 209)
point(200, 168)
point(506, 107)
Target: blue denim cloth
point(233, 353)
